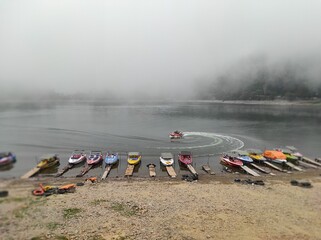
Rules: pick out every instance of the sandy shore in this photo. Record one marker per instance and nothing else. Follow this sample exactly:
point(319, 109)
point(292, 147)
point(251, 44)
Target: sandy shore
point(215, 207)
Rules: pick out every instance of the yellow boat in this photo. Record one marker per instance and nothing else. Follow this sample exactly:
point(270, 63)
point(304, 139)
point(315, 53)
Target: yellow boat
point(48, 161)
point(256, 154)
point(134, 158)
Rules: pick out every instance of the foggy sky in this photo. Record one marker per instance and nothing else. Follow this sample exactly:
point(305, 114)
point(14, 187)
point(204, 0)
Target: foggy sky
point(146, 47)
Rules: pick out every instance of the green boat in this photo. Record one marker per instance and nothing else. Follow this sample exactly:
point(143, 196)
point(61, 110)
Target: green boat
point(289, 156)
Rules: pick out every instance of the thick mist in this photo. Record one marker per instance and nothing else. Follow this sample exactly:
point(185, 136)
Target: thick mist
point(146, 49)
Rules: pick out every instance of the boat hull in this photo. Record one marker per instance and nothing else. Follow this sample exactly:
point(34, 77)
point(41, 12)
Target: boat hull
point(185, 159)
point(279, 161)
point(257, 157)
point(245, 159)
point(94, 161)
point(175, 135)
point(111, 159)
point(7, 160)
point(166, 162)
point(44, 164)
point(74, 160)
point(233, 163)
point(48, 161)
point(95, 158)
point(133, 162)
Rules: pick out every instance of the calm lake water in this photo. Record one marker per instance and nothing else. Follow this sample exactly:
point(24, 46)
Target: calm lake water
point(30, 130)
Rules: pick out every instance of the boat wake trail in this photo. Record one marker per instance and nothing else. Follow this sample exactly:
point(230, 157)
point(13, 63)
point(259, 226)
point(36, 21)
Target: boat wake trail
point(222, 142)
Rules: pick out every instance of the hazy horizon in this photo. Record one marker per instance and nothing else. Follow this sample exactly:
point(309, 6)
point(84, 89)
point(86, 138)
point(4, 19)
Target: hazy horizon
point(153, 49)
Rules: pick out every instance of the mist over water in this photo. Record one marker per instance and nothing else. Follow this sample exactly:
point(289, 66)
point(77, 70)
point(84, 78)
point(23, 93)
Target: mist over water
point(147, 50)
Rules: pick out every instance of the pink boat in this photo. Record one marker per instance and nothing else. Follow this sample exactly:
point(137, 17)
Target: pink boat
point(231, 161)
point(185, 157)
point(94, 157)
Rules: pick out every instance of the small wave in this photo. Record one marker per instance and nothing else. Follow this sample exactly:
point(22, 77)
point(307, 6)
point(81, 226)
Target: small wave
point(217, 139)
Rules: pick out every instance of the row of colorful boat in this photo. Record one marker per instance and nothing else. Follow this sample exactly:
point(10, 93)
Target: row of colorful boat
point(237, 158)
point(277, 155)
point(95, 158)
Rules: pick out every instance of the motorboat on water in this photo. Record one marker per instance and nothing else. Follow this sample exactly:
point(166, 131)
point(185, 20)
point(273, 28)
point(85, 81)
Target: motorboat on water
point(111, 158)
point(77, 156)
point(231, 160)
point(167, 159)
point(7, 158)
point(185, 157)
point(94, 157)
point(176, 135)
point(134, 158)
point(49, 160)
point(275, 156)
point(256, 154)
point(243, 156)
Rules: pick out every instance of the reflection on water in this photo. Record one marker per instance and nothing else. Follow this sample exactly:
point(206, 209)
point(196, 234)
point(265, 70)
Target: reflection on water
point(31, 131)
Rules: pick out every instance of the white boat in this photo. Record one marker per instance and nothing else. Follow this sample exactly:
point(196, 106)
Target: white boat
point(167, 159)
point(77, 156)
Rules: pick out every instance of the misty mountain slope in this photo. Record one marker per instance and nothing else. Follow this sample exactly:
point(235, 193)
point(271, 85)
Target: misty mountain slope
point(258, 81)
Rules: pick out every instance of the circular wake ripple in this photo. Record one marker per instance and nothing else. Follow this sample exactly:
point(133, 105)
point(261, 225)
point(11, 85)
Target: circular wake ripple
point(217, 139)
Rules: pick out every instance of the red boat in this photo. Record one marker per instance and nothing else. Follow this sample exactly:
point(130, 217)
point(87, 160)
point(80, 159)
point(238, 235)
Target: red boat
point(95, 157)
point(185, 157)
point(231, 161)
point(176, 135)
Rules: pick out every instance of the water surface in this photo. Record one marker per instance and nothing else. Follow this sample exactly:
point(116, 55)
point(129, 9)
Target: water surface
point(33, 129)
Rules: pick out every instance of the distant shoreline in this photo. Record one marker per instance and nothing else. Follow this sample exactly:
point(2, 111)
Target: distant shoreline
point(316, 102)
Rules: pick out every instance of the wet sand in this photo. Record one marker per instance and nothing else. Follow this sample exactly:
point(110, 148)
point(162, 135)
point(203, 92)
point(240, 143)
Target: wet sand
point(215, 207)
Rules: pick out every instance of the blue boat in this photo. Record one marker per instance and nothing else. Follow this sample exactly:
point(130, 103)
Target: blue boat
point(111, 158)
point(243, 156)
point(7, 158)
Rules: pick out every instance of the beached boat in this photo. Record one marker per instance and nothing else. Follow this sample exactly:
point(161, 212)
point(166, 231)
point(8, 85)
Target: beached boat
point(77, 156)
point(49, 160)
point(111, 158)
point(185, 157)
point(7, 158)
point(231, 160)
point(289, 156)
point(256, 154)
point(274, 156)
point(134, 158)
point(294, 152)
point(176, 135)
point(95, 157)
point(167, 159)
point(243, 156)
point(46, 162)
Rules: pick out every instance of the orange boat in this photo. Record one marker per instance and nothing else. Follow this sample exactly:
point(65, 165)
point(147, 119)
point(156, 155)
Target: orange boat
point(275, 156)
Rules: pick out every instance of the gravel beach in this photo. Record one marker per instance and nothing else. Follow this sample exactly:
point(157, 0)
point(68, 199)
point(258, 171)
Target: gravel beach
point(215, 207)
